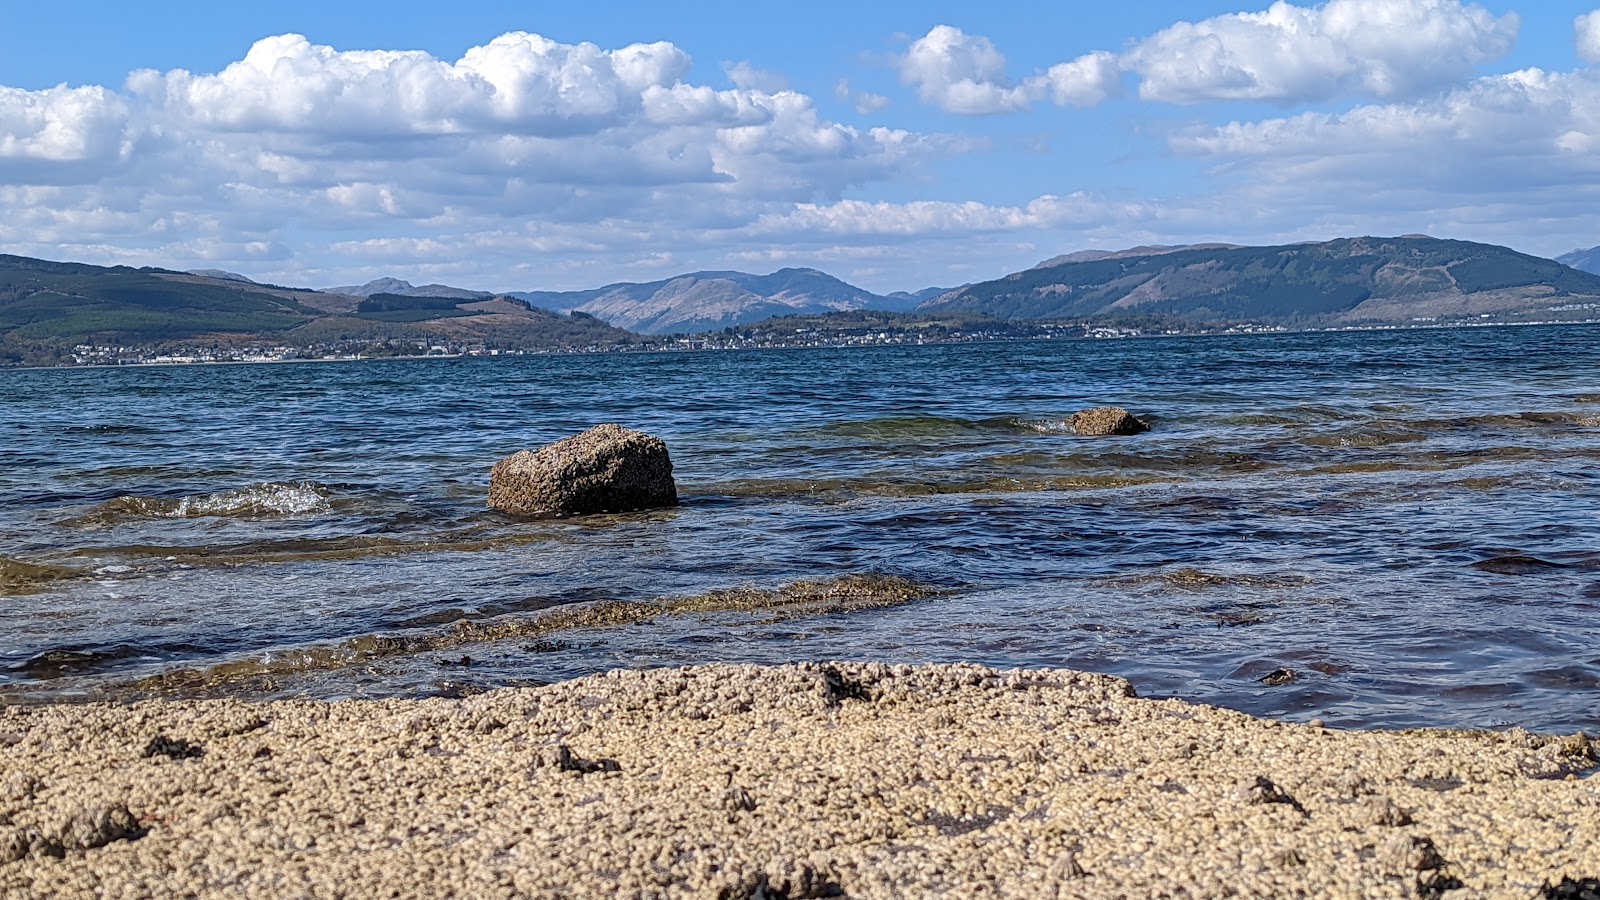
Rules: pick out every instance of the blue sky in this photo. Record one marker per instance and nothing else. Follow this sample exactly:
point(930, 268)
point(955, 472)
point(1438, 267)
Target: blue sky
point(523, 146)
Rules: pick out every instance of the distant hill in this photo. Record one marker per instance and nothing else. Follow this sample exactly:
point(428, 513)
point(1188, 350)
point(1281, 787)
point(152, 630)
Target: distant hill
point(55, 301)
point(1583, 260)
point(46, 306)
point(221, 275)
point(1345, 281)
point(1146, 250)
point(406, 289)
point(709, 301)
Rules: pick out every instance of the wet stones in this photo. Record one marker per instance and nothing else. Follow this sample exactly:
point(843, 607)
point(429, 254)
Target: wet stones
point(1107, 420)
point(608, 468)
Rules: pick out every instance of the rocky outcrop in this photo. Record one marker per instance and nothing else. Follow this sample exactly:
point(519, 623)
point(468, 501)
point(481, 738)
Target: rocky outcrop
point(1107, 420)
point(605, 469)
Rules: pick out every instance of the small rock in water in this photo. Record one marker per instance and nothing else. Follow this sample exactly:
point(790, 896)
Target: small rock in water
point(1106, 420)
point(608, 468)
point(1280, 677)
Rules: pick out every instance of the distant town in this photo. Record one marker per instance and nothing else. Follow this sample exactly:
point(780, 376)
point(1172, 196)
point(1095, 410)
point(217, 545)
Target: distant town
point(759, 336)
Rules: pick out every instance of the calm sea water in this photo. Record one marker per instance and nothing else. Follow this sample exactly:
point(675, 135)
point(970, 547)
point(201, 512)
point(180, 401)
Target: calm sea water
point(1382, 529)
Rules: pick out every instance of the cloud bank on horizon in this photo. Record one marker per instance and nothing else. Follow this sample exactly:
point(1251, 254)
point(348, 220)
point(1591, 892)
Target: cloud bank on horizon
point(531, 163)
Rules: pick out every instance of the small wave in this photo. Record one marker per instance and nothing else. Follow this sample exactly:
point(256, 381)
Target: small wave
point(268, 500)
point(1041, 426)
point(63, 661)
point(1518, 564)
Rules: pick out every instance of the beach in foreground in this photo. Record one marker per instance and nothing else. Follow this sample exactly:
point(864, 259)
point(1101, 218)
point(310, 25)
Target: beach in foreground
point(805, 780)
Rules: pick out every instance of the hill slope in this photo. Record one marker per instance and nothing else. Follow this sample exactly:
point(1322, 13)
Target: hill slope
point(1350, 280)
point(47, 306)
point(708, 301)
point(53, 301)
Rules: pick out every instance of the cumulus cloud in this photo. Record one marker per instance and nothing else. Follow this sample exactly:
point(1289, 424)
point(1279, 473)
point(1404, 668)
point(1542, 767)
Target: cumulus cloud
point(62, 134)
point(523, 139)
point(965, 74)
point(1387, 49)
point(1587, 27)
point(1288, 54)
point(1505, 154)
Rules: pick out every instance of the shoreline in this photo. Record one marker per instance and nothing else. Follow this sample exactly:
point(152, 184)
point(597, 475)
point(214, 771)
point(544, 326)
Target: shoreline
point(841, 345)
point(803, 780)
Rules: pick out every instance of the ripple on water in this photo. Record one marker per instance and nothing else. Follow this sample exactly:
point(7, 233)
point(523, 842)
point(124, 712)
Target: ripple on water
point(274, 499)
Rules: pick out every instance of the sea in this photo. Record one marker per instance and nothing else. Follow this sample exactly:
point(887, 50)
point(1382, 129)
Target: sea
point(1383, 529)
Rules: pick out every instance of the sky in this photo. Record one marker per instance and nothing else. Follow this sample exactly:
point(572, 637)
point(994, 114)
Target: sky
point(509, 146)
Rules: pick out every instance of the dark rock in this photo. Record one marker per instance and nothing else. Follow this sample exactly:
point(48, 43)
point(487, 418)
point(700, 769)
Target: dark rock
point(839, 687)
point(1280, 677)
point(566, 762)
point(800, 881)
point(14, 845)
point(605, 469)
point(1262, 791)
point(1106, 420)
point(161, 745)
point(1572, 889)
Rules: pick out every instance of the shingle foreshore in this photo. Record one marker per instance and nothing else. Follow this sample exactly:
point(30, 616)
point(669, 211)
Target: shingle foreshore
point(806, 780)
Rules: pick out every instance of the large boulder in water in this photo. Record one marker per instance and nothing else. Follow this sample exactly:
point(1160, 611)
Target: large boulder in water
point(1107, 420)
point(605, 469)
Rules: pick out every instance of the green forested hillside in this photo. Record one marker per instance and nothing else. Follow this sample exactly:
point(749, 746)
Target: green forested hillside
point(47, 307)
point(1346, 280)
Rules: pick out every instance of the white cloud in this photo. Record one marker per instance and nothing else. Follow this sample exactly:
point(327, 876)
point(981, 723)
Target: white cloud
point(928, 217)
point(965, 74)
point(1387, 49)
point(961, 73)
point(1587, 27)
point(1086, 81)
point(747, 76)
point(1290, 54)
point(1505, 155)
point(62, 134)
point(523, 143)
point(865, 102)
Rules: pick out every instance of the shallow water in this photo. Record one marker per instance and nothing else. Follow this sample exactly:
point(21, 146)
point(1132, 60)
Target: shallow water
point(1385, 529)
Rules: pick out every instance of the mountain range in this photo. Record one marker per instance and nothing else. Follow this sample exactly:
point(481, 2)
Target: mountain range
point(708, 301)
point(1365, 280)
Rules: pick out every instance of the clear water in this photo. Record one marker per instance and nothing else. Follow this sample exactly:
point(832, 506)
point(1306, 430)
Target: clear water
point(1405, 520)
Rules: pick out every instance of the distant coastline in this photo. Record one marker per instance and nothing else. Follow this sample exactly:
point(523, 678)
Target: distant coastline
point(712, 344)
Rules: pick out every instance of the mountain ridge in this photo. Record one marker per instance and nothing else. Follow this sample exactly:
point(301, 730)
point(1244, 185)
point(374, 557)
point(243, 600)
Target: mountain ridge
point(715, 299)
point(1329, 283)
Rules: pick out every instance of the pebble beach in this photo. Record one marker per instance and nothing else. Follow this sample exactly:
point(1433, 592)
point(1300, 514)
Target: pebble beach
point(803, 780)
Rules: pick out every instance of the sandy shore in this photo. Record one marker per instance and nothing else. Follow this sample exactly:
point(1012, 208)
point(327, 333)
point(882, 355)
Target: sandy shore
point(799, 781)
